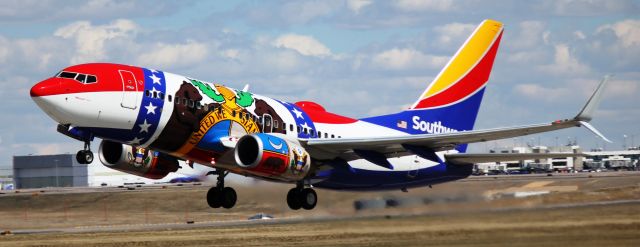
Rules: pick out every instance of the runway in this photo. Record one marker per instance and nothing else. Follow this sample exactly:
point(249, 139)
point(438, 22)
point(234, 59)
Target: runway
point(575, 202)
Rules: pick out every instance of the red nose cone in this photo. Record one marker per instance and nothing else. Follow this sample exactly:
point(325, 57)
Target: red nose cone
point(46, 87)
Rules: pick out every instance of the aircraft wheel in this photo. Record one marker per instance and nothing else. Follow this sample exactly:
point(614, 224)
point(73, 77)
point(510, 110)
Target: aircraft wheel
point(293, 200)
point(213, 197)
point(84, 157)
point(308, 198)
point(229, 197)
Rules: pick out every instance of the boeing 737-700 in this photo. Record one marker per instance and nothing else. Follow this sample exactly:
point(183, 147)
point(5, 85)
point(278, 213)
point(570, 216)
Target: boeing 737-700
point(148, 120)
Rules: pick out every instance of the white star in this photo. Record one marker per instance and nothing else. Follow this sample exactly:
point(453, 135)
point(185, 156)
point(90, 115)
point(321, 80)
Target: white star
point(304, 125)
point(135, 140)
point(154, 91)
point(156, 80)
point(151, 109)
point(298, 113)
point(144, 127)
point(153, 71)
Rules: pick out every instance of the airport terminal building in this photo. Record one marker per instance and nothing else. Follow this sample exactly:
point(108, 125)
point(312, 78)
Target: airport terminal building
point(38, 171)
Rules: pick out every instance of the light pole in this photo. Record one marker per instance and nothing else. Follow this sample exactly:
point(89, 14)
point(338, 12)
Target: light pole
point(56, 166)
point(624, 144)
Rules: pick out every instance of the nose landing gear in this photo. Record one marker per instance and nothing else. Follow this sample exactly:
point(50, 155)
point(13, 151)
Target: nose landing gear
point(300, 197)
point(85, 156)
point(221, 196)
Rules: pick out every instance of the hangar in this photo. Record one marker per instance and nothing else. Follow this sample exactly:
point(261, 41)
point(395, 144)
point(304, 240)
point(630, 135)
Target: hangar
point(38, 171)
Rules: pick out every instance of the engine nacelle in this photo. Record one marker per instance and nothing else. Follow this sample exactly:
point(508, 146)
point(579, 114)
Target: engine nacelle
point(137, 161)
point(272, 155)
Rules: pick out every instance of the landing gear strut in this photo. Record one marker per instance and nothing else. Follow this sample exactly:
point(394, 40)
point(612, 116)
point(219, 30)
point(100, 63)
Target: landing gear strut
point(85, 156)
point(301, 197)
point(221, 196)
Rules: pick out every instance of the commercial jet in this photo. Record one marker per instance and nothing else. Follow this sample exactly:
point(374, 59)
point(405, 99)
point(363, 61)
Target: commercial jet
point(148, 120)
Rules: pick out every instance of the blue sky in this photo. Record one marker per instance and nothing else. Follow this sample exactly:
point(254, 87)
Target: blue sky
point(356, 57)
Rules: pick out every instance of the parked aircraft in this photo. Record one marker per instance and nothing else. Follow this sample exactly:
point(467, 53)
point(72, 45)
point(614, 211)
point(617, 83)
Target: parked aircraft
point(149, 119)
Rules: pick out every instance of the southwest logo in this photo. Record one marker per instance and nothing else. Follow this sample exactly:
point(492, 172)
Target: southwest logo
point(430, 127)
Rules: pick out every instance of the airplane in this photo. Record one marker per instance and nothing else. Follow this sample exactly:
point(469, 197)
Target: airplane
point(149, 119)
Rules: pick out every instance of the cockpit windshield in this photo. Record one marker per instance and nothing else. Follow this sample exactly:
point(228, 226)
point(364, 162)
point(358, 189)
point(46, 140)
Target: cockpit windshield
point(82, 78)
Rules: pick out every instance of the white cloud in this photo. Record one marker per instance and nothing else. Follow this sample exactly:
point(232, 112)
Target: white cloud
point(357, 5)
point(579, 35)
point(565, 63)
point(531, 34)
point(425, 5)
point(538, 92)
point(401, 59)
point(171, 55)
point(627, 31)
point(454, 33)
point(305, 45)
point(90, 40)
point(587, 7)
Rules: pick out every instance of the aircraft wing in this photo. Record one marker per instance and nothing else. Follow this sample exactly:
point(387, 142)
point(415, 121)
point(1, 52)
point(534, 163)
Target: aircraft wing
point(345, 147)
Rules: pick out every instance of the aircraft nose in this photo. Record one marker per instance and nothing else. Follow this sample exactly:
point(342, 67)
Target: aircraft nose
point(45, 88)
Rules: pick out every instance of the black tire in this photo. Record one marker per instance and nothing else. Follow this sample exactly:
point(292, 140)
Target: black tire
point(308, 198)
point(229, 197)
point(80, 157)
point(213, 197)
point(293, 199)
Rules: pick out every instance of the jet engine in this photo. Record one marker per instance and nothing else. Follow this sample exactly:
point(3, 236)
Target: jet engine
point(137, 161)
point(273, 156)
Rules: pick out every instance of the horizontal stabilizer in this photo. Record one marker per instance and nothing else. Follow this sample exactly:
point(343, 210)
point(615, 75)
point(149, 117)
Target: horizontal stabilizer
point(470, 158)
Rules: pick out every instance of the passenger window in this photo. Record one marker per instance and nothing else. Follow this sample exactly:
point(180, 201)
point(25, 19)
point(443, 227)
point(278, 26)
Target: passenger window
point(312, 132)
point(177, 100)
point(185, 101)
point(147, 93)
point(298, 128)
point(206, 107)
point(275, 124)
point(233, 113)
point(81, 78)
point(191, 103)
point(155, 95)
point(198, 105)
point(319, 134)
point(161, 95)
point(91, 79)
point(169, 97)
point(326, 135)
point(68, 75)
point(290, 127)
point(333, 136)
point(305, 130)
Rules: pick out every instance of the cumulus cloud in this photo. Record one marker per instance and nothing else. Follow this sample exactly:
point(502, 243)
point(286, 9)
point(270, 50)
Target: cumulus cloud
point(588, 7)
point(425, 5)
point(453, 33)
point(305, 45)
point(90, 39)
point(565, 63)
point(163, 55)
point(531, 34)
point(627, 32)
point(405, 58)
point(357, 5)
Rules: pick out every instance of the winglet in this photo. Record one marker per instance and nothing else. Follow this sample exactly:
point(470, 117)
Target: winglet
point(586, 114)
point(594, 130)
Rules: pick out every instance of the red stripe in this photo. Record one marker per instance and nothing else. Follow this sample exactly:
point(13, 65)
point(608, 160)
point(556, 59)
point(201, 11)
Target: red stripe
point(318, 114)
point(108, 75)
point(475, 79)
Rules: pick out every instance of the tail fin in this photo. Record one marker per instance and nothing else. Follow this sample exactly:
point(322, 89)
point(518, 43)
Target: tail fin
point(468, 70)
point(451, 102)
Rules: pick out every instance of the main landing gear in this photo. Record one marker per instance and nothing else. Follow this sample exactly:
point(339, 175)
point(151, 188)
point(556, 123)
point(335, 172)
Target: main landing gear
point(221, 196)
point(85, 156)
point(301, 197)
